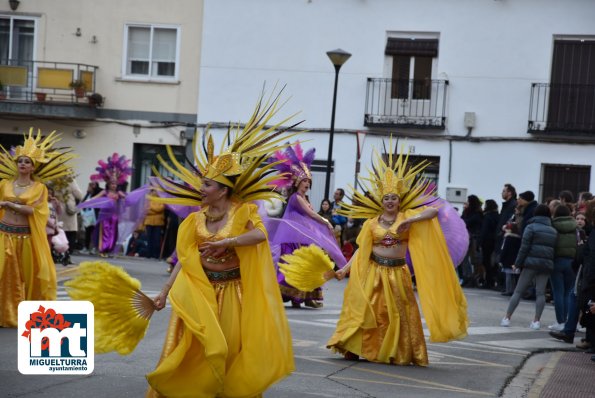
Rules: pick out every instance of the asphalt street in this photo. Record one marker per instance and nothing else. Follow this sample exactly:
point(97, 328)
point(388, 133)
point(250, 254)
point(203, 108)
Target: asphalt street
point(481, 365)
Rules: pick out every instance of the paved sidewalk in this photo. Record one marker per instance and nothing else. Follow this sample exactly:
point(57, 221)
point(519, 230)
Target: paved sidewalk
point(554, 374)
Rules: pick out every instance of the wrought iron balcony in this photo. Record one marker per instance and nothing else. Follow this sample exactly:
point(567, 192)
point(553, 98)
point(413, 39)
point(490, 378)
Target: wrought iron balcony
point(562, 108)
point(43, 88)
point(406, 103)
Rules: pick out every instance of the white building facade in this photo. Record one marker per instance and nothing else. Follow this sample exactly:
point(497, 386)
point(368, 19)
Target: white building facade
point(492, 92)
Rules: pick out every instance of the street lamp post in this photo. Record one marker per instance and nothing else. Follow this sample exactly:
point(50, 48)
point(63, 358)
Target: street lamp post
point(338, 57)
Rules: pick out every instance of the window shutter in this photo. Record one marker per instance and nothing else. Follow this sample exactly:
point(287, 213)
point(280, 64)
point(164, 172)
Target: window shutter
point(138, 43)
point(164, 45)
point(412, 47)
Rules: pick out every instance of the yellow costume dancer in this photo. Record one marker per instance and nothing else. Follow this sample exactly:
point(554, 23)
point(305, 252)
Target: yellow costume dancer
point(27, 270)
point(380, 320)
point(228, 335)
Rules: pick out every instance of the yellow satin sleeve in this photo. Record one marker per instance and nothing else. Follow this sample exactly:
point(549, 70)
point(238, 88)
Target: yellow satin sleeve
point(442, 300)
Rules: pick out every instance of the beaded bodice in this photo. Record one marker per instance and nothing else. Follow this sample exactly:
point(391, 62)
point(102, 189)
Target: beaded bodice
point(388, 237)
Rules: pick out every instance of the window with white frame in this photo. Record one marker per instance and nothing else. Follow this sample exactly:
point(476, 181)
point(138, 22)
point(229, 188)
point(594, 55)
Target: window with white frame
point(152, 52)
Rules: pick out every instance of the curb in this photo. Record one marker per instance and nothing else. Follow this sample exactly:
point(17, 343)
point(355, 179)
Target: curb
point(544, 375)
point(523, 383)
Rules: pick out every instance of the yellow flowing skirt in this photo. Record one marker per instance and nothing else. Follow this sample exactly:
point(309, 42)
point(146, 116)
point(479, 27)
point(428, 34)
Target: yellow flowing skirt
point(397, 337)
point(15, 252)
point(196, 378)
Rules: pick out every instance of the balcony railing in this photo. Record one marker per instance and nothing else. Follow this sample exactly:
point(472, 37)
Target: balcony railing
point(45, 81)
point(562, 108)
point(406, 103)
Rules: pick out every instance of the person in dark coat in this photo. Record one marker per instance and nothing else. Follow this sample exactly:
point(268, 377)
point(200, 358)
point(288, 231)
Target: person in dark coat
point(506, 212)
point(586, 293)
point(487, 241)
point(536, 261)
point(527, 202)
point(472, 216)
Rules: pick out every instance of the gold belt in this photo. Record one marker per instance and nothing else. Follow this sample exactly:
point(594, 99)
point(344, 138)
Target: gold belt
point(386, 261)
point(223, 276)
point(15, 229)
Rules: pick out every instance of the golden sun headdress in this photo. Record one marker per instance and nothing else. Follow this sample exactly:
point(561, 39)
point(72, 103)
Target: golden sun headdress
point(49, 162)
point(241, 165)
point(394, 176)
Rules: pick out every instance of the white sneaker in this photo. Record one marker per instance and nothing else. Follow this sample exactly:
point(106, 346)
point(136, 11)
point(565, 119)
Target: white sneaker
point(536, 325)
point(581, 329)
point(558, 327)
point(84, 251)
point(505, 322)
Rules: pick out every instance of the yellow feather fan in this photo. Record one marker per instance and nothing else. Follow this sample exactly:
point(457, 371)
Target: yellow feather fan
point(307, 268)
point(122, 311)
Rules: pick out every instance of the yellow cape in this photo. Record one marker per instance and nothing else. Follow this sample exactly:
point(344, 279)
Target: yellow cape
point(266, 354)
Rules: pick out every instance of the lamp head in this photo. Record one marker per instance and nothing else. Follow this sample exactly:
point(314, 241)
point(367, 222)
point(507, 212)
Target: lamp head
point(338, 57)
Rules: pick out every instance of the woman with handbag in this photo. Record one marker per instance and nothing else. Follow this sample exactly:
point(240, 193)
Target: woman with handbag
point(69, 194)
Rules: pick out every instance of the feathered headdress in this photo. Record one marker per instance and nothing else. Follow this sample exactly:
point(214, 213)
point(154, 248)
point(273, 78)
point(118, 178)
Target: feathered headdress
point(293, 165)
point(241, 165)
point(116, 169)
point(395, 176)
point(49, 162)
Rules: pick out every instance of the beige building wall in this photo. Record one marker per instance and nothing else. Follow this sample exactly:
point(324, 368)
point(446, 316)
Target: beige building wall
point(105, 21)
point(138, 112)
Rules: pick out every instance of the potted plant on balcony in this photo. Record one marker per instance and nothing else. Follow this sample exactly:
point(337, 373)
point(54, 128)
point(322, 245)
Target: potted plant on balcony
point(40, 96)
point(79, 88)
point(2, 93)
point(95, 99)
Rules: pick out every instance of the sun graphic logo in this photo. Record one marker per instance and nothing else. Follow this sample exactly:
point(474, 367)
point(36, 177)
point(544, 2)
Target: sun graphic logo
point(56, 337)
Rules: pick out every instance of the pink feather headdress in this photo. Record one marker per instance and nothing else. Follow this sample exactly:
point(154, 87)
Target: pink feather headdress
point(295, 167)
point(117, 169)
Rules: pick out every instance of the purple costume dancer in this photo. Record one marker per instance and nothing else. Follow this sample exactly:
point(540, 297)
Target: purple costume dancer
point(300, 224)
point(108, 220)
point(110, 201)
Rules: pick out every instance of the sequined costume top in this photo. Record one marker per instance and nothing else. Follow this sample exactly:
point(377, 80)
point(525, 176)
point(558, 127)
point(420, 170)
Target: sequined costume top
point(388, 237)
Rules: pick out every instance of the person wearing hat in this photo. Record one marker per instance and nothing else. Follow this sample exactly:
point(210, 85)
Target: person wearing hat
point(528, 204)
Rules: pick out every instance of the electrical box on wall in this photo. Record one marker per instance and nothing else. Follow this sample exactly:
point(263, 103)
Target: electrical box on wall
point(469, 120)
point(456, 195)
